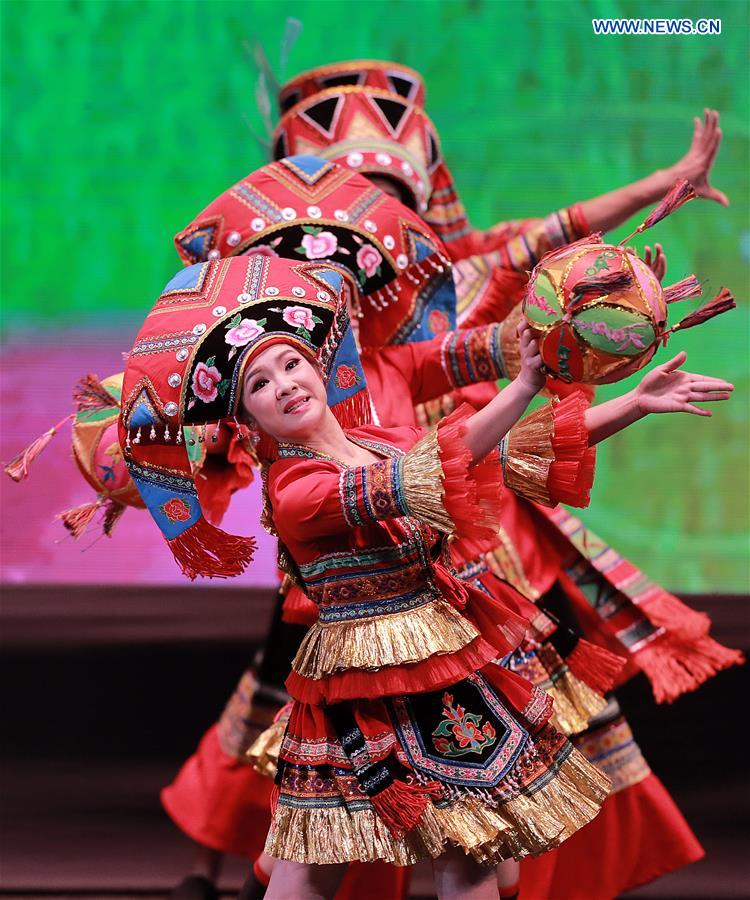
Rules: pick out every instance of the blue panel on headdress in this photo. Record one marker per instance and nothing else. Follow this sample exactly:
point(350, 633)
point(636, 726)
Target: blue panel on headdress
point(422, 249)
point(330, 276)
point(313, 167)
point(142, 412)
point(348, 381)
point(186, 279)
point(198, 243)
point(439, 312)
point(174, 506)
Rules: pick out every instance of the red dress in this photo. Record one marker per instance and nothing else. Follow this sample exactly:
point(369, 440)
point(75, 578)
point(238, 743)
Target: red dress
point(404, 735)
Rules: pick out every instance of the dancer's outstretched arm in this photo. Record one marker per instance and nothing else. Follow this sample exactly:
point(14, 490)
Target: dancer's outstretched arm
point(610, 210)
point(665, 389)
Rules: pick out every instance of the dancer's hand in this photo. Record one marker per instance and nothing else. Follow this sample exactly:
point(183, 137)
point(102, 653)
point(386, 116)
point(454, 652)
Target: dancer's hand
point(696, 164)
point(669, 389)
point(531, 375)
point(656, 261)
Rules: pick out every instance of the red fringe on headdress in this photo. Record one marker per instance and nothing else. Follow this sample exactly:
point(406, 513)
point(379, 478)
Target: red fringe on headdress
point(594, 665)
point(401, 805)
point(721, 303)
point(675, 667)
point(90, 393)
point(678, 195)
point(354, 411)
point(571, 473)
point(203, 549)
point(683, 290)
point(18, 467)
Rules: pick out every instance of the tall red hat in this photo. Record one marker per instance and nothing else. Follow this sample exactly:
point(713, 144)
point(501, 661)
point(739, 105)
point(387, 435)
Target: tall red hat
point(186, 368)
point(374, 73)
point(368, 130)
point(306, 208)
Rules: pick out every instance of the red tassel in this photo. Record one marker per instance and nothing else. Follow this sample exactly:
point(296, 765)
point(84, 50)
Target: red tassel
point(607, 284)
point(678, 195)
point(78, 519)
point(722, 302)
point(112, 515)
point(206, 550)
point(682, 290)
point(401, 805)
point(675, 667)
point(664, 610)
point(594, 665)
point(18, 467)
point(90, 393)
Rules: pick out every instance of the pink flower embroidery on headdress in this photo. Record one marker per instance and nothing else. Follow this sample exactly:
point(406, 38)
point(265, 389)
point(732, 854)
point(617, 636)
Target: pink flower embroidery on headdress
point(205, 382)
point(244, 332)
point(368, 260)
point(318, 244)
point(299, 317)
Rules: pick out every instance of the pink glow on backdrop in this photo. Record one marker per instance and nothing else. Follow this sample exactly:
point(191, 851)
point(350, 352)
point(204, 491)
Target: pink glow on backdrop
point(37, 382)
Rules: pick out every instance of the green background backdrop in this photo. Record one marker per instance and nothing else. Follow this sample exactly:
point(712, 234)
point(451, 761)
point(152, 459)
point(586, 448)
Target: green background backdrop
point(121, 120)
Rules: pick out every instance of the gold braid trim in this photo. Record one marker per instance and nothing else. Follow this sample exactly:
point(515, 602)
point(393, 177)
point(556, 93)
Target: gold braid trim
point(526, 454)
point(575, 703)
point(263, 753)
point(523, 826)
point(341, 835)
point(423, 486)
point(389, 640)
point(527, 825)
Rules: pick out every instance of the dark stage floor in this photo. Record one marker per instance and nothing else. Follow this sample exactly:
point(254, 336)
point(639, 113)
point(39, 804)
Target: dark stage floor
point(95, 724)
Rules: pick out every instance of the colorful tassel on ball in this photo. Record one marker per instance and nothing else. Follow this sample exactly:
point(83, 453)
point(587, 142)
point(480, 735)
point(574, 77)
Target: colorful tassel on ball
point(678, 195)
point(90, 393)
point(721, 303)
point(18, 467)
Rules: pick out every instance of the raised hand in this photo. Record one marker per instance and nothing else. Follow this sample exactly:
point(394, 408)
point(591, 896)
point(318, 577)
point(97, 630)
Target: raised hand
point(669, 389)
point(696, 164)
point(656, 261)
point(531, 375)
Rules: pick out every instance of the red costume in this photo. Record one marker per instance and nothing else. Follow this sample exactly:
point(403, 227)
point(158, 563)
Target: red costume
point(394, 686)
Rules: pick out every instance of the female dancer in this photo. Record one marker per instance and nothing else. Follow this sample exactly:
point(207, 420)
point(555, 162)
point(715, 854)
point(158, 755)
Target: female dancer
point(404, 739)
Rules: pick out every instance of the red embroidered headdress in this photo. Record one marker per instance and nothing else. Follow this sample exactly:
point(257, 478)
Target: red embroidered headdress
point(350, 126)
point(186, 368)
point(374, 73)
point(371, 131)
point(305, 208)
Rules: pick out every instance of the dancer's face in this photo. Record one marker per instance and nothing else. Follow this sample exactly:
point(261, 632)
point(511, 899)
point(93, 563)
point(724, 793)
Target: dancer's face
point(284, 394)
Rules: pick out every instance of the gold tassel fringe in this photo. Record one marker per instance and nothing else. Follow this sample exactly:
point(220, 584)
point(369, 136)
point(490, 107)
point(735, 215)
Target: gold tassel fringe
point(527, 455)
point(527, 825)
point(523, 826)
point(263, 753)
point(379, 641)
point(341, 835)
point(423, 486)
point(576, 703)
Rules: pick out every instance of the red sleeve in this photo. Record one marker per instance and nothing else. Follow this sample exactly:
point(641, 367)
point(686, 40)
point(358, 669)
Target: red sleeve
point(449, 361)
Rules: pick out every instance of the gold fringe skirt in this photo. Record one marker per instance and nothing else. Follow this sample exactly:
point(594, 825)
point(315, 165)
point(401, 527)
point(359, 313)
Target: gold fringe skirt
point(534, 821)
